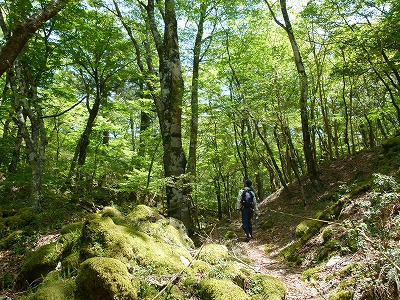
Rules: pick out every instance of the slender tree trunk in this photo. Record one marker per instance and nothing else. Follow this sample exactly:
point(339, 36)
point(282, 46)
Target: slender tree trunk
point(83, 143)
point(35, 136)
point(272, 158)
point(15, 158)
point(194, 105)
point(307, 144)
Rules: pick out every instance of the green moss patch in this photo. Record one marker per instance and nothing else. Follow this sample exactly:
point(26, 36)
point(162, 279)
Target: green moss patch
point(220, 289)
point(38, 264)
point(105, 278)
point(214, 253)
point(9, 240)
point(22, 218)
point(102, 238)
point(54, 287)
point(266, 287)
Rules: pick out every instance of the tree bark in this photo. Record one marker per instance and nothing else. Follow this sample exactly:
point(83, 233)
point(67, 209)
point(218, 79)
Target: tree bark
point(24, 31)
point(307, 145)
point(169, 111)
point(35, 137)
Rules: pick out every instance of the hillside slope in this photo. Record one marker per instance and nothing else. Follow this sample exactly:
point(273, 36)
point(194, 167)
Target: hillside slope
point(343, 244)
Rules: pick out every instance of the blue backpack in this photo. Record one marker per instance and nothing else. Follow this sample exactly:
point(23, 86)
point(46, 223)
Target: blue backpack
point(247, 198)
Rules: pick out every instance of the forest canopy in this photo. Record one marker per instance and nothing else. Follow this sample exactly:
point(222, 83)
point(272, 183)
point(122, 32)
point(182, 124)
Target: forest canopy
point(174, 103)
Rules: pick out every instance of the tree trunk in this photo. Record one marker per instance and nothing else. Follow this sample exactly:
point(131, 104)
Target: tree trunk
point(169, 112)
point(194, 104)
point(35, 137)
point(307, 145)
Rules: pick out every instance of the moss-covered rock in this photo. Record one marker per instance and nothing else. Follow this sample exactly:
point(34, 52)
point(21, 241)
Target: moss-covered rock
point(213, 253)
point(110, 211)
point(105, 278)
point(72, 227)
point(163, 231)
point(9, 240)
point(220, 289)
point(37, 264)
point(101, 237)
point(201, 267)
point(391, 144)
point(143, 213)
point(54, 287)
point(308, 226)
point(267, 287)
point(21, 219)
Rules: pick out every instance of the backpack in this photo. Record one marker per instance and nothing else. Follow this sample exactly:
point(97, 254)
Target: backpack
point(247, 198)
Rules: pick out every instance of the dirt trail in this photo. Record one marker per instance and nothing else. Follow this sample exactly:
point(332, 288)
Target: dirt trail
point(261, 262)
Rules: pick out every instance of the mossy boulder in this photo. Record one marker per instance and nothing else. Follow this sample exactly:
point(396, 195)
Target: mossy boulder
point(391, 144)
point(37, 264)
point(22, 218)
point(213, 253)
point(267, 287)
point(54, 287)
point(201, 267)
point(102, 237)
point(220, 289)
point(110, 211)
point(308, 227)
point(11, 239)
point(72, 227)
point(105, 278)
point(142, 213)
point(163, 231)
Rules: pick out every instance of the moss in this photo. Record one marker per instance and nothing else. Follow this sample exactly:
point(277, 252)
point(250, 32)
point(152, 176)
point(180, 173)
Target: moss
point(143, 213)
point(220, 289)
point(77, 226)
point(235, 272)
point(327, 233)
point(230, 235)
point(173, 293)
point(267, 224)
point(266, 287)
point(22, 218)
point(11, 239)
point(348, 270)
point(341, 295)
point(105, 278)
point(38, 264)
point(165, 232)
point(311, 274)
point(54, 287)
point(201, 267)
point(101, 237)
point(308, 226)
point(213, 253)
point(391, 144)
point(109, 211)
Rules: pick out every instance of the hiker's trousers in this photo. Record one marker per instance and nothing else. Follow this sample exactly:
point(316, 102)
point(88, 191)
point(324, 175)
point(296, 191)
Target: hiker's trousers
point(247, 214)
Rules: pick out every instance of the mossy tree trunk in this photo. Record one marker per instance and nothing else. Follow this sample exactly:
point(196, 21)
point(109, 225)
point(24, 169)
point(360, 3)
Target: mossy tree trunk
point(169, 111)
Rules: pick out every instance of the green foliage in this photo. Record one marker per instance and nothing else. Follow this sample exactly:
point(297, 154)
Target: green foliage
point(311, 274)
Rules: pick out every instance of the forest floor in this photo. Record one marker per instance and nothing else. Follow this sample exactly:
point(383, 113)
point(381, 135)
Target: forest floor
point(283, 212)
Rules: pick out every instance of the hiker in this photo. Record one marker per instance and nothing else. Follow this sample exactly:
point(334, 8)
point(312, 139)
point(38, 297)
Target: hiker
point(247, 205)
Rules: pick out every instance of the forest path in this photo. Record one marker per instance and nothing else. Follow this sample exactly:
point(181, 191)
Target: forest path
point(261, 262)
